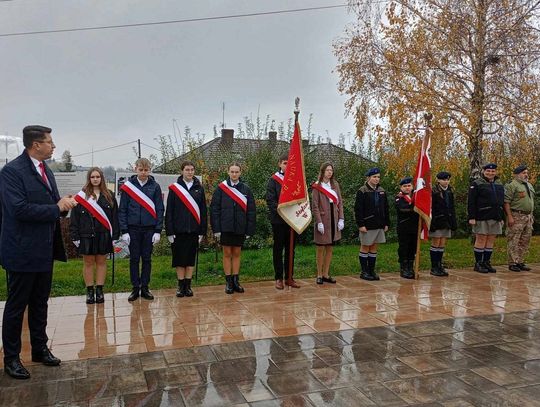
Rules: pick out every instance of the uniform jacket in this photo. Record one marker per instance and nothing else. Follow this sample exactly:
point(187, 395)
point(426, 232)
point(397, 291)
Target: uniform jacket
point(227, 216)
point(486, 200)
point(273, 190)
point(321, 213)
point(443, 211)
point(407, 218)
point(132, 214)
point(31, 237)
point(83, 224)
point(371, 213)
point(178, 218)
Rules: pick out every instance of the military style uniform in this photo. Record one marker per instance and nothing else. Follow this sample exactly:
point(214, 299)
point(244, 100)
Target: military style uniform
point(407, 231)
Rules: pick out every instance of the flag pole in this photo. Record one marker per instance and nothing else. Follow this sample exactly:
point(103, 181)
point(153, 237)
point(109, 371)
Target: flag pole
point(417, 257)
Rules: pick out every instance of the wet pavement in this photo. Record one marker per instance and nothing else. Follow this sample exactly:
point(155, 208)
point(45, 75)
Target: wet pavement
point(468, 340)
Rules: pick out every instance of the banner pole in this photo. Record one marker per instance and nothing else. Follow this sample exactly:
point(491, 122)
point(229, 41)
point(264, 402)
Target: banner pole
point(291, 257)
point(417, 257)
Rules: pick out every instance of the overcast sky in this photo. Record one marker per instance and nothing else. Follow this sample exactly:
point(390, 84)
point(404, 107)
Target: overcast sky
point(101, 88)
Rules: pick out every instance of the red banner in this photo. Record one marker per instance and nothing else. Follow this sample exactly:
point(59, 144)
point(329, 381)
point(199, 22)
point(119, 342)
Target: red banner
point(422, 182)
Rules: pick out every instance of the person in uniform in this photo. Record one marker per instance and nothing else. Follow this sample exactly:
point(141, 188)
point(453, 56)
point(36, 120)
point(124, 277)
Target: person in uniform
point(373, 220)
point(519, 207)
point(485, 213)
point(407, 228)
point(93, 226)
point(232, 217)
point(443, 221)
point(327, 209)
point(185, 224)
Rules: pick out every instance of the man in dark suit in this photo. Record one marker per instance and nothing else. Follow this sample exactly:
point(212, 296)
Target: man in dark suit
point(30, 241)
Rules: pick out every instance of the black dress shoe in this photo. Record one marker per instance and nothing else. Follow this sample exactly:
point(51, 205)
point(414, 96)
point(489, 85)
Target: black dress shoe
point(16, 370)
point(407, 274)
point(329, 280)
point(146, 294)
point(134, 294)
point(514, 267)
point(524, 267)
point(46, 357)
point(319, 280)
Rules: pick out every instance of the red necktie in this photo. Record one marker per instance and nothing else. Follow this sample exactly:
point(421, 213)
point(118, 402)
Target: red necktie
point(43, 174)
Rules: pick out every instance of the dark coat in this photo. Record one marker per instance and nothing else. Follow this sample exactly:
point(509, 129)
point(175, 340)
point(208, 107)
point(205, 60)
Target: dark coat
point(443, 211)
point(227, 216)
point(273, 190)
point(178, 218)
point(132, 214)
point(407, 218)
point(31, 237)
point(486, 200)
point(83, 224)
point(322, 214)
point(371, 213)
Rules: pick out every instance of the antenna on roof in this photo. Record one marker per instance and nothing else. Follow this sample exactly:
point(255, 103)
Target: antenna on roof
point(222, 115)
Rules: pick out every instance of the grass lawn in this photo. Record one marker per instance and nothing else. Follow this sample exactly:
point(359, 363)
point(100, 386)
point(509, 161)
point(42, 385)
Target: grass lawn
point(257, 265)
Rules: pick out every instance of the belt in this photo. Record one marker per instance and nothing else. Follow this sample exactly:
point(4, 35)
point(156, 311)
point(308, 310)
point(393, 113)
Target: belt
point(521, 212)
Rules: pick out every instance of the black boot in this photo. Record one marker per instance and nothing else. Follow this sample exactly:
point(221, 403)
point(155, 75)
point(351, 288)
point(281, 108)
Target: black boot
point(372, 272)
point(479, 266)
point(364, 274)
point(438, 270)
point(406, 270)
point(180, 289)
point(228, 285)
point(146, 294)
point(90, 298)
point(100, 298)
point(236, 284)
point(187, 288)
point(134, 294)
point(490, 269)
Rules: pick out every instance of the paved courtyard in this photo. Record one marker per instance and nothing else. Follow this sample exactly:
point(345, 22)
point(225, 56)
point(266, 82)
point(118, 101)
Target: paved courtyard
point(468, 340)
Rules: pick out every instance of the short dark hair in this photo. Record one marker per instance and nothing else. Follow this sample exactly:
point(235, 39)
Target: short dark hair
point(186, 164)
point(34, 133)
point(283, 157)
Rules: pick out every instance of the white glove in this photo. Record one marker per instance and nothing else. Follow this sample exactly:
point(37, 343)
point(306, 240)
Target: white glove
point(320, 228)
point(171, 238)
point(200, 238)
point(125, 237)
point(76, 243)
point(217, 236)
point(340, 224)
point(247, 237)
point(156, 238)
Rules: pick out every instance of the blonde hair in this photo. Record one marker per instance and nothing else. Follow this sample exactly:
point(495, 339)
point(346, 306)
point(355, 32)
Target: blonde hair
point(143, 163)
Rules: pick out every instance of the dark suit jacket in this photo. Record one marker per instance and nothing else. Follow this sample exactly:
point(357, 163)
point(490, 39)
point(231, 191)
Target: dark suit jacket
point(31, 237)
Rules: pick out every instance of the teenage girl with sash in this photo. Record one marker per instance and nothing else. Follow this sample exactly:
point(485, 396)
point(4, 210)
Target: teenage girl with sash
point(232, 216)
point(185, 224)
point(93, 227)
point(329, 220)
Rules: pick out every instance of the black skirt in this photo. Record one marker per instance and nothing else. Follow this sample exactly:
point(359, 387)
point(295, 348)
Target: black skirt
point(184, 249)
point(101, 243)
point(232, 239)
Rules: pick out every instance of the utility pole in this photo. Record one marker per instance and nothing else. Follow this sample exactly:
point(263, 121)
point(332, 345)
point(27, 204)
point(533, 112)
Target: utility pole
point(139, 148)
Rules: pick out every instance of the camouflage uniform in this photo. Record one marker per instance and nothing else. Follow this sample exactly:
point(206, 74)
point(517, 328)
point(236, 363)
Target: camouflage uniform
point(520, 196)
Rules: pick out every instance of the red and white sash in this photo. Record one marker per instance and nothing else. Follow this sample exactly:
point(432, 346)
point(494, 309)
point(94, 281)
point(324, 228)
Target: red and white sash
point(140, 197)
point(187, 200)
point(406, 197)
point(235, 195)
point(278, 177)
point(329, 193)
point(95, 210)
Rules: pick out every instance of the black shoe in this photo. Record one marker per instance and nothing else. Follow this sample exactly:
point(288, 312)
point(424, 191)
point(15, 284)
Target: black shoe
point(367, 276)
point(46, 357)
point(407, 273)
point(228, 285)
point(90, 298)
point(236, 284)
point(100, 298)
point(329, 280)
point(442, 270)
point(187, 288)
point(180, 289)
point(372, 272)
point(514, 267)
point(479, 266)
point(319, 280)
point(16, 370)
point(524, 267)
point(134, 294)
point(490, 269)
point(438, 272)
point(146, 294)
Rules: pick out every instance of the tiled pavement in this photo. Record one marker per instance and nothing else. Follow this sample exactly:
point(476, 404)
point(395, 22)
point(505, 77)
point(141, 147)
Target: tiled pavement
point(469, 340)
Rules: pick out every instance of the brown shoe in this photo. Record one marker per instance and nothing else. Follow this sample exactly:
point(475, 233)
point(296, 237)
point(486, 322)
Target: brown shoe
point(292, 283)
point(279, 284)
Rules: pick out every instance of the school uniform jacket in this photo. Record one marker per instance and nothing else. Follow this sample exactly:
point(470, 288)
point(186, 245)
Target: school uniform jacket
point(227, 216)
point(371, 208)
point(83, 224)
point(178, 218)
point(443, 211)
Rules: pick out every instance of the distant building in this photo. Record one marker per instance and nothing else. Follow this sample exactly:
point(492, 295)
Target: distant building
point(10, 147)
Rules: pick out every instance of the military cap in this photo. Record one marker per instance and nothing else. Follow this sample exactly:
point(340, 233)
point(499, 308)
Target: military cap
point(372, 171)
point(490, 166)
point(406, 180)
point(520, 168)
point(443, 175)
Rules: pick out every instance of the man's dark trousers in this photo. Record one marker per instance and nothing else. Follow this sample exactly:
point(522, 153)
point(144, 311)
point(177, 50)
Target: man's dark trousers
point(140, 248)
point(282, 238)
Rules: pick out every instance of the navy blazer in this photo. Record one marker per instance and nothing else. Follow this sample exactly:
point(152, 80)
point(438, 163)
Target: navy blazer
point(31, 237)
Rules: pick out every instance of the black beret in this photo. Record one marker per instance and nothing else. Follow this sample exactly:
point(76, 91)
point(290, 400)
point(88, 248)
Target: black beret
point(372, 171)
point(490, 166)
point(406, 180)
point(520, 168)
point(443, 175)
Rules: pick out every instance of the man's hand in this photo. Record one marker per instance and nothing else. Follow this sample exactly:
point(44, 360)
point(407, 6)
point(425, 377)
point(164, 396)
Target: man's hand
point(156, 237)
point(66, 203)
point(510, 221)
point(363, 229)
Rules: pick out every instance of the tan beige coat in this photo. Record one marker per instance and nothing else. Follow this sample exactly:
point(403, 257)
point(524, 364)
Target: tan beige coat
point(320, 209)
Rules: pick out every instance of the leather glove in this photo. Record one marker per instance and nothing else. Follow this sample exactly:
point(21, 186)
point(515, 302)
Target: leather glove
point(125, 237)
point(217, 236)
point(76, 243)
point(200, 238)
point(340, 224)
point(156, 238)
point(171, 238)
point(320, 228)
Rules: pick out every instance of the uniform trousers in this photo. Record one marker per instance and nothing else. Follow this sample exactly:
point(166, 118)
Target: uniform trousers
point(282, 239)
point(140, 248)
point(407, 246)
